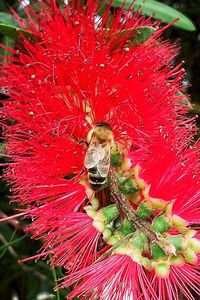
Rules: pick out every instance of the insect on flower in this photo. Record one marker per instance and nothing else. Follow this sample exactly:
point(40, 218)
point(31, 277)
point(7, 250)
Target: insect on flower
point(97, 158)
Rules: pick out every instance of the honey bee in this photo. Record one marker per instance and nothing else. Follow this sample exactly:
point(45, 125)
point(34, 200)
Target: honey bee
point(97, 158)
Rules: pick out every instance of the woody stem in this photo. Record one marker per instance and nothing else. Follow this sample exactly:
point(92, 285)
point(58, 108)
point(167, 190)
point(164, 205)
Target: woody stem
point(127, 212)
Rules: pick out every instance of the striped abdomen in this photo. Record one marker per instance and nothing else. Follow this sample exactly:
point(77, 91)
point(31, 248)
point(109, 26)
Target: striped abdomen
point(95, 179)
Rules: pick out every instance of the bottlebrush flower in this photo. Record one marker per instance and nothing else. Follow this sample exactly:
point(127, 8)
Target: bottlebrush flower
point(132, 239)
point(71, 238)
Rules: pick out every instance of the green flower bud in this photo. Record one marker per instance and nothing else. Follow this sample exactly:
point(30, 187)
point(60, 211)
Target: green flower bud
point(99, 225)
point(113, 240)
point(116, 159)
point(107, 234)
point(110, 213)
point(90, 211)
point(194, 244)
point(162, 269)
point(121, 178)
point(128, 186)
point(177, 260)
point(139, 241)
point(126, 228)
point(178, 242)
point(143, 211)
point(157, 252)
point(190, 256)
point(160, 224)
point(135, 197)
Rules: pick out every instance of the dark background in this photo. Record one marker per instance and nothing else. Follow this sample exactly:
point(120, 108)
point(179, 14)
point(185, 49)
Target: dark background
point(190, 47)
point(31, 280)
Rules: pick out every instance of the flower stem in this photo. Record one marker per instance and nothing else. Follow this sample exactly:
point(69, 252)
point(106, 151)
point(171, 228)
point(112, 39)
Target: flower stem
point(55, 280)
point(127, 212)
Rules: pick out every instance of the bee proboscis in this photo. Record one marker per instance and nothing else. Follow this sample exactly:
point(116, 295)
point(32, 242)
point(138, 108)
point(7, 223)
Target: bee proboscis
point(97, 158)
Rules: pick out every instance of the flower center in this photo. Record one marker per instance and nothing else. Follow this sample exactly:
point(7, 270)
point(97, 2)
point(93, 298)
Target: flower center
point(135, 224)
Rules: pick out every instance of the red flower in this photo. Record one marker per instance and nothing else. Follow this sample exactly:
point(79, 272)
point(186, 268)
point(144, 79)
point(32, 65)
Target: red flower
point(77, 72)
point(117, 277)
point(72, 238)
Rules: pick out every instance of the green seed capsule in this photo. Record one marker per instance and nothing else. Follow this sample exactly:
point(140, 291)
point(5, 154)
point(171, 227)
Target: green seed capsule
point(126, 228)
point(107, 234)
point(157, 252)
point(110, 213)
point(128, 186)
point(160, 224)
point(139, 241)
point(177, 260)
point(135, 197)
point(162, 269)
point(99, 225)
point(190, 256)
point(177, 241)
point(116, 159)
point(143, 211)
point(113, 240)
point(194, 244)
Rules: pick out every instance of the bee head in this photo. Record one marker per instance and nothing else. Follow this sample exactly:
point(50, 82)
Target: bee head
point(103, 124)
point(103, 131)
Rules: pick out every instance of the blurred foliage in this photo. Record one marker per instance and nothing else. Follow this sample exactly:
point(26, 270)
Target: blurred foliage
point(190, 49)
point(33, 280)
point(30, 280)
point(160, 11)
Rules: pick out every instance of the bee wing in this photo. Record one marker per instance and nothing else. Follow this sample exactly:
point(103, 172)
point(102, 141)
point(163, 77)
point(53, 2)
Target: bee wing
point(103, 165)
point(93, 155)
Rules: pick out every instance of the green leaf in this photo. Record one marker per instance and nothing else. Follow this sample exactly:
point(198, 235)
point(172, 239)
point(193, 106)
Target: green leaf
point(143, 33)
point(129, 37)
point(10, 28)
point(3, 5)
point(13, 31)
point(137, 36)
point(8, 19)
point(159, 11)
point(183, 100)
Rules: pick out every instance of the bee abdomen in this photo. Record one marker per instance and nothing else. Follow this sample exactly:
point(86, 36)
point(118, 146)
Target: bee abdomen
point(95, 179)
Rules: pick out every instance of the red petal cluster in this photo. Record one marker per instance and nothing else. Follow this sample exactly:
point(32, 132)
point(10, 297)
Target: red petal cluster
point(77, 71)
